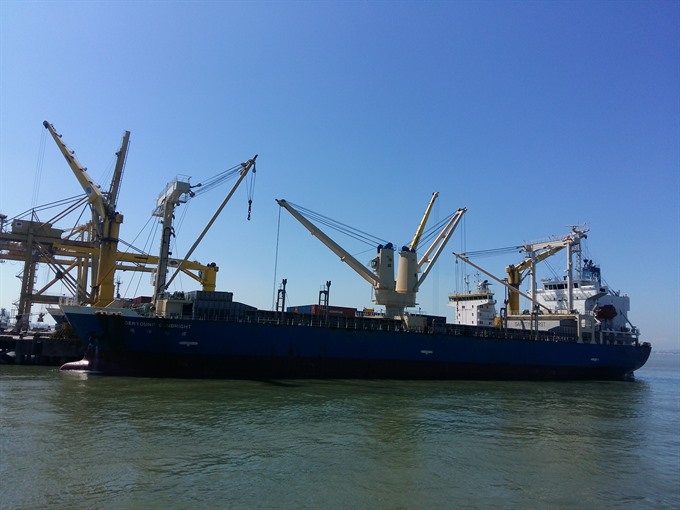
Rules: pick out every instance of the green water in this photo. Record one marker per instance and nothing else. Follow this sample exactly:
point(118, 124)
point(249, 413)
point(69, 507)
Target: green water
point(70, 440)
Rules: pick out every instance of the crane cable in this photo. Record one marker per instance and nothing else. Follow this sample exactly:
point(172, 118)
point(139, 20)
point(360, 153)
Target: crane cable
point(39, 168)
point(76, 199)
point(276, 256)
point(212, 182)
point(343, 228)
point(435, 230)
point(491, 252)
point(251, 189)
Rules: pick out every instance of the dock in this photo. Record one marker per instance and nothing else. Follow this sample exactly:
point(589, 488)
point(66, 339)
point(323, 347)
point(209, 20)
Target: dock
point(39, 349)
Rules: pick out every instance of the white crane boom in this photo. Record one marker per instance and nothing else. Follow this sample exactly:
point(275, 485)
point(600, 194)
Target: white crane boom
point(502, 282)
point(438, 244)
point(419, 231)
point(344, 255)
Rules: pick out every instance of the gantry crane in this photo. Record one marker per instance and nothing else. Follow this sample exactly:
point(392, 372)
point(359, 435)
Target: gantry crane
point(177, 192)
point(106, 221)
point(86, 249)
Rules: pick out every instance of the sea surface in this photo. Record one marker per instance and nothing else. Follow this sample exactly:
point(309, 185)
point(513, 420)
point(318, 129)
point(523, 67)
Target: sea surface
point(71, 440)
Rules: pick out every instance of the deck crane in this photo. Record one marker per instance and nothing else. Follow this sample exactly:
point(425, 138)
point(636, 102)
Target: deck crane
point(465, 259)
point(516, 273)
point(536, 253)
point(394, 295)
point(106, 221)
point(419, 231)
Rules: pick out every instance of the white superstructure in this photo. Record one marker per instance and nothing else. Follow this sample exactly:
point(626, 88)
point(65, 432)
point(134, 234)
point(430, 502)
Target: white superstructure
point(579, 304)
point(474, 308)
point(590, 296)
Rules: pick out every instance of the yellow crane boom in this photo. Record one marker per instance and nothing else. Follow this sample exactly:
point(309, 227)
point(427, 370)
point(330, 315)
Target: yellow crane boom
point(103, 286)
point(419, 231)
point(537, 252)
point(517, 273)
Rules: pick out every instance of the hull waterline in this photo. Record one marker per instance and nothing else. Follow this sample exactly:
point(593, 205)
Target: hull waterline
point(127, 345)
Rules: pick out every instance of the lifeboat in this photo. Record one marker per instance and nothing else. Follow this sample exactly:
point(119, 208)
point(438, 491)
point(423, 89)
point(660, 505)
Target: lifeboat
point(606, 312)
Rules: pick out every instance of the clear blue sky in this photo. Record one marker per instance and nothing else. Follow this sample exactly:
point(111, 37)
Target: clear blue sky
point(533, 115)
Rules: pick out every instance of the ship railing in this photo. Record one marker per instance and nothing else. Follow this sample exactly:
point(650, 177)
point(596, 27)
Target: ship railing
point(620, 337)
point(356, 323)
point(395, 325)
point(290, 319)
point(303, 320)
point(500, 333)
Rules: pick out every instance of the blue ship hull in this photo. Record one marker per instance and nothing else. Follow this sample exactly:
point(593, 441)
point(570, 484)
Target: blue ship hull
point(261, 348)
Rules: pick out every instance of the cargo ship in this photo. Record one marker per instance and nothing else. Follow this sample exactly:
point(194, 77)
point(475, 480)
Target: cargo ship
point(258, 344)
point(569, 334)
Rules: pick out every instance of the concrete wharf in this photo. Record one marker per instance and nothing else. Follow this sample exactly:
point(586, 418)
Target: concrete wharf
point(39, 349)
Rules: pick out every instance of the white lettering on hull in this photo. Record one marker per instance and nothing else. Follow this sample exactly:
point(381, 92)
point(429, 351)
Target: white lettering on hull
point(155, 325)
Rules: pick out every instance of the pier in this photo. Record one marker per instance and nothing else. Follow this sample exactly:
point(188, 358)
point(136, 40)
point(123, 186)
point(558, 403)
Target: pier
point(39, 349)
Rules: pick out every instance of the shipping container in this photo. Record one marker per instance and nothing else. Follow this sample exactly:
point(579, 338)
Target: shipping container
point(205, 295)
point(319, 310)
